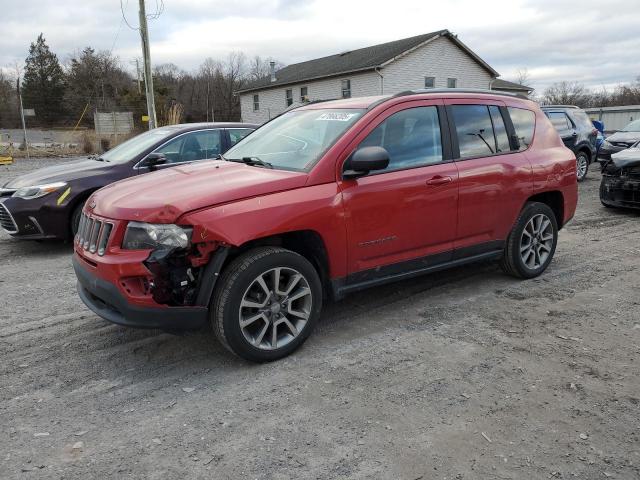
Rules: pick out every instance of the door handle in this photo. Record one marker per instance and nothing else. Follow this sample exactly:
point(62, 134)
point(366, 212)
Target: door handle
point(439, 180)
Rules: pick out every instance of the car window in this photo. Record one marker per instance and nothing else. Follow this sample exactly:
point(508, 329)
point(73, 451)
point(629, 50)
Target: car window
point(500, 130)
point(559, 120)
point(192, 146)
point(474, 130)
point(581, 118)
point(237, 134)
point(524, 122)
point(412, 138)
point(632, 127)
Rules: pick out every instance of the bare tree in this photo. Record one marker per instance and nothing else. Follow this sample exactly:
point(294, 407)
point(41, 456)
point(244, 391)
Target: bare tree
point(261, 67)
point(523, 76)
point(567, 93)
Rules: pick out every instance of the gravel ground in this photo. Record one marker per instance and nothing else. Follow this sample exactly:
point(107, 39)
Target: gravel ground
point(465, 374)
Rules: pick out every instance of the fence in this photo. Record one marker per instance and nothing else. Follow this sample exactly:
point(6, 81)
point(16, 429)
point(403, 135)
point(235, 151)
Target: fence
point(614, 118)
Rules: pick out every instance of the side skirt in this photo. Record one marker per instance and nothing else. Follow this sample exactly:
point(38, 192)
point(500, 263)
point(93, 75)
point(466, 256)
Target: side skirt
point(392, 273)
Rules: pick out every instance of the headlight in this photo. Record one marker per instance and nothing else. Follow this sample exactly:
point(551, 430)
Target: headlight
point(607, 144)
point(38, 191)
point(142, 236)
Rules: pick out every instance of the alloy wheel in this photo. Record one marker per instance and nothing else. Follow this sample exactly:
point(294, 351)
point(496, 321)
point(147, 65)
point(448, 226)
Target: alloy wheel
point(536, 242)
point(275, 308)
point(581, 167)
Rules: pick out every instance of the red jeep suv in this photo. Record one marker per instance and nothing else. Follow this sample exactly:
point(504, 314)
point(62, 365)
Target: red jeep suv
point(326, 199)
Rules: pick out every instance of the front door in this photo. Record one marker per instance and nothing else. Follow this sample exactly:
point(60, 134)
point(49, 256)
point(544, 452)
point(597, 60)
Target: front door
point(403, 217)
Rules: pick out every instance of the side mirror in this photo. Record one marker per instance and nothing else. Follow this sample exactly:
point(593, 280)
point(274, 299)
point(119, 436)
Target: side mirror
point(364, 160)
point(154, 159)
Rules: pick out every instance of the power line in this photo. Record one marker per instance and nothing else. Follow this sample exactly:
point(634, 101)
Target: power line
point(124, 16)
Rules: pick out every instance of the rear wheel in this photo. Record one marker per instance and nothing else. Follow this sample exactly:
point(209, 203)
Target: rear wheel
point(582, 165)
point(266, 304)
point(532, 242)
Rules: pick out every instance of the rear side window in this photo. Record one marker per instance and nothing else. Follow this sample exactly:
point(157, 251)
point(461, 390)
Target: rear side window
point(474, 130)
point(237, 134)
point(412, 138)
point(581, 118)
point(559, 120)
point(524, 122)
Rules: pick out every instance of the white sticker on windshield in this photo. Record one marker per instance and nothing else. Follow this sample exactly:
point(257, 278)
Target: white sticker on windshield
point(336, 116)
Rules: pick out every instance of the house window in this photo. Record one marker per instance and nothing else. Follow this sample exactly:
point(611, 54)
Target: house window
point(304, 94)
point(288, 94)
point(256, 103)
point(346, 88)
point(452, 82)
point(429, 82)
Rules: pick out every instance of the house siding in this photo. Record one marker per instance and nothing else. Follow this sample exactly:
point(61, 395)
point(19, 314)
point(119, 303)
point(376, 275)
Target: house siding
point(272, 101)
point(440, 58)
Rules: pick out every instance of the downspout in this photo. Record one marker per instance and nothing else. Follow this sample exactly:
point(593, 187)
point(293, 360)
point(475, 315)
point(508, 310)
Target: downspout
point(491, 83)
point(381, 80)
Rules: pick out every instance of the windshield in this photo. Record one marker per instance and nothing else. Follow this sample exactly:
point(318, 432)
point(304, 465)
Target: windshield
point(297, 139)
point(126, 151)
point(632, 127)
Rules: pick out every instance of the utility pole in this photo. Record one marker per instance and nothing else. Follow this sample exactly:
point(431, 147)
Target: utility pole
point(138, 75)
point(148, 80)
point(24, 125)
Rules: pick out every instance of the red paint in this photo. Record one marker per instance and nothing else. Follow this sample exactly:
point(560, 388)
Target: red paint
point(365, 223)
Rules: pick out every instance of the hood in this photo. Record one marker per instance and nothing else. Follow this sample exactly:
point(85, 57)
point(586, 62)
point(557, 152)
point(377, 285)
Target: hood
point(163, 196)
point(64, 172)
point(626, 158)
point(628, 137)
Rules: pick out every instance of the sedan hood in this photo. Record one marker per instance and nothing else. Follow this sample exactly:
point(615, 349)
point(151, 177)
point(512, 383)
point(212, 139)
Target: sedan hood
point(628, 137)
point(164, 196)
point(60, 173)
point(626, 158)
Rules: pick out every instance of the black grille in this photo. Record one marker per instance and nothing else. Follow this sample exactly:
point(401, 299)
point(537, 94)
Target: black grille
point(93, 234)
point(6, 220)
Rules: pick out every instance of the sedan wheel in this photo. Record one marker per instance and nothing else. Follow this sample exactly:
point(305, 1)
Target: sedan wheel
point(582, 166)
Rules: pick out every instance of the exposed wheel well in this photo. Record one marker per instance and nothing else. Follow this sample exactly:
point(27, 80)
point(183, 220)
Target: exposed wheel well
point(307, 243)
point(555, 201)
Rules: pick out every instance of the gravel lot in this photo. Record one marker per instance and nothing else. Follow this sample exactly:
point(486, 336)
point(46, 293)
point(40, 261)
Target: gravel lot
point(463, 374)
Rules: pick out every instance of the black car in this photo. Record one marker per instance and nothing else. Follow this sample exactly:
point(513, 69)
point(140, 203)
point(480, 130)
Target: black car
point(47, 203)
point(620, 186)
point(577, 132)
point(619, 141)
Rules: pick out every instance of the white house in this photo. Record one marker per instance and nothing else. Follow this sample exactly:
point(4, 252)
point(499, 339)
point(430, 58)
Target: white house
point(433, 60)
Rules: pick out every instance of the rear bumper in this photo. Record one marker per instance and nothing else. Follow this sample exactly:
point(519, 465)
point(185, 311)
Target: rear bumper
point(104, 299)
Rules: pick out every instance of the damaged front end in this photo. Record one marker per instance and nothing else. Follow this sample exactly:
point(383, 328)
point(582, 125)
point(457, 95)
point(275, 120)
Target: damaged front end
point(620, 184)
point(178, 267)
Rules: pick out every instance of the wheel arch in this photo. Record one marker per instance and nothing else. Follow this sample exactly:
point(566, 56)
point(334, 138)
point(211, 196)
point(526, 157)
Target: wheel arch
point(554, 199)
point(73, 204)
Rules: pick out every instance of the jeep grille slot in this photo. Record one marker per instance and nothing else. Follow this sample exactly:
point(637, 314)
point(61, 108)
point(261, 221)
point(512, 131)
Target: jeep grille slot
point(93, 234)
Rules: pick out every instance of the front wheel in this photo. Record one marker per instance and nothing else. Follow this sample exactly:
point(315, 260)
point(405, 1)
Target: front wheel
point(532, 242)
point(582, 166)
point(266, 304)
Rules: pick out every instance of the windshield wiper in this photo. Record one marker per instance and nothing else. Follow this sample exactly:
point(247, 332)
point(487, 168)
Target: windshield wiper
point(253, 161)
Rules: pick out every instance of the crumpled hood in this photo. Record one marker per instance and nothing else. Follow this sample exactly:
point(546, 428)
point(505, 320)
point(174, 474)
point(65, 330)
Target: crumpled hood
point(627, 158)
point(163, 196)
point(64, 172)
point(624, 137)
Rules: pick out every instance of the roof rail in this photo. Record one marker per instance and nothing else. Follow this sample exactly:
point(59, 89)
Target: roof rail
point(458, 90)
point(558, 106)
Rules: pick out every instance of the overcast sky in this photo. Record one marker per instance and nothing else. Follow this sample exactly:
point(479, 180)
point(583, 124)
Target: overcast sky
point(595, 42)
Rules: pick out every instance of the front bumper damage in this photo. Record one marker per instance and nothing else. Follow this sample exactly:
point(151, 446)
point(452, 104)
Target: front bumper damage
point(620, 186)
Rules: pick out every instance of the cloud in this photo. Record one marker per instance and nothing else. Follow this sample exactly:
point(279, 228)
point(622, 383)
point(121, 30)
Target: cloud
point(590, 42)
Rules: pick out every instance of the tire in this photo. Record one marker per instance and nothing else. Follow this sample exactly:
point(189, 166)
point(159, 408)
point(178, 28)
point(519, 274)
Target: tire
point(517, 260)
point(582, 166)
point(240, 296)
point(75, 219)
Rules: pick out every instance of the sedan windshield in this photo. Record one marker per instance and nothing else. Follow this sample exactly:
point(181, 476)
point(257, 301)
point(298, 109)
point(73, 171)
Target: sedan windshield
point(125, 152)
point(295, 140)
point(632, 127)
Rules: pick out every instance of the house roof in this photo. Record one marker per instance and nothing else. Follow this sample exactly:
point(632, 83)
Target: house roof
point(359, 60)
point(499, 84)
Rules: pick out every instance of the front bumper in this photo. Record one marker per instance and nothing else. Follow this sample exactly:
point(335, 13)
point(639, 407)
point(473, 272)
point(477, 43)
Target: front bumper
point(604, 153)
point(107, 301)
point(616, 191)
point(35, 219)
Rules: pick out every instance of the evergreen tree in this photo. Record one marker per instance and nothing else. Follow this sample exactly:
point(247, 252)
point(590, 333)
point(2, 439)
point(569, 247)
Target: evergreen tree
point(44, 83)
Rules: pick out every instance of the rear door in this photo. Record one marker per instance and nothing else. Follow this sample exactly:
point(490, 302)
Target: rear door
point(407, 211)
point(494, 178)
